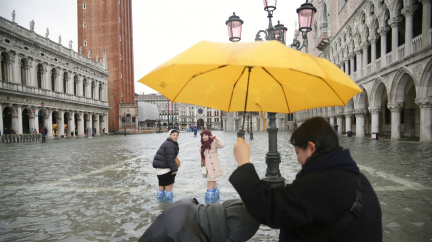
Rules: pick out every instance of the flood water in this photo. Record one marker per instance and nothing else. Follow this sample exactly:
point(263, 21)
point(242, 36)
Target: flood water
point(104, 188)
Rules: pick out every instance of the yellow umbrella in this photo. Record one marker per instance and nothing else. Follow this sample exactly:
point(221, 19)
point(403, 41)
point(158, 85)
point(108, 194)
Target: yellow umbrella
point(256, 76)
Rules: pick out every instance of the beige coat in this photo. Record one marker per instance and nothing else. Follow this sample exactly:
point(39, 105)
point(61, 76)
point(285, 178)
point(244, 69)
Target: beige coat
point(212, 162)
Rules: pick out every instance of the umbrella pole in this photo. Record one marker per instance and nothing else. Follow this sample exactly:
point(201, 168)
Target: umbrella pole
point(244, 112)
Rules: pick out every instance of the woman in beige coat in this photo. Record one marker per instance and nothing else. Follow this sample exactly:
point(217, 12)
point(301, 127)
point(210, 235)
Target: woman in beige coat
point(210, 159)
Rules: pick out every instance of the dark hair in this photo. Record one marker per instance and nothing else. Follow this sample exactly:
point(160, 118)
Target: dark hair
point(318, 131)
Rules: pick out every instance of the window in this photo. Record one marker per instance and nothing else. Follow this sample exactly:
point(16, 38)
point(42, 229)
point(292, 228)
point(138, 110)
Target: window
point(85, 24)
point(119, 20)
point(84, 6)
point(119, 38)
point(85, 43)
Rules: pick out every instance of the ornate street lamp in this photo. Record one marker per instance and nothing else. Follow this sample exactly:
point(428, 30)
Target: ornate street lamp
point(278, 32)
point(305, 14)
point(234, 24)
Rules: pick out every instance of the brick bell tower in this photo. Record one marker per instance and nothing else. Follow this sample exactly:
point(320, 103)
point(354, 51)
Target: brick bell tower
point(105, 34)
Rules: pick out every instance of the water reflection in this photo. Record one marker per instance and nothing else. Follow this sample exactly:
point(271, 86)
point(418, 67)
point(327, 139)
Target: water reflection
point(104, 188)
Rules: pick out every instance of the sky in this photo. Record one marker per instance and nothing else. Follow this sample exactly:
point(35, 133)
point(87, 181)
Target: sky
point(162, 29)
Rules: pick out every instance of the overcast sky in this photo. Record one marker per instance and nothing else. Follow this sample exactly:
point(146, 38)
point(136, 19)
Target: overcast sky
point(161, 29)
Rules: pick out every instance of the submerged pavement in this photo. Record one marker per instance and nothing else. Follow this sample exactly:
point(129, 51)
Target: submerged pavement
point(104, 188)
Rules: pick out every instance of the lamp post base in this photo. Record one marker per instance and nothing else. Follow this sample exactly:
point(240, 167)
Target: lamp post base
point(273, 176)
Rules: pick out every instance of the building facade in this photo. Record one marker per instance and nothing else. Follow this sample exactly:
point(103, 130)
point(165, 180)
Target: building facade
point(385, 47)
point(105, 29)
point(46, 85)
point(186, 116)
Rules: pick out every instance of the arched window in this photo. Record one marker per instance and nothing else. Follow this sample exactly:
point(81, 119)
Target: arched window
point(84, 85)
point(65, 77)
point(100, 92)
point(53, 78)
point(92, 90)
point(23, 71)
point(39, 75)
point(4, 69)
point(75, 85)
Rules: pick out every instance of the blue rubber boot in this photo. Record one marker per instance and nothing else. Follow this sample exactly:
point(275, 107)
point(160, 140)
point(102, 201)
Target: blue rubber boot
point(210, 196)
point(217, 194)
point(169, 197)
point(160, 195)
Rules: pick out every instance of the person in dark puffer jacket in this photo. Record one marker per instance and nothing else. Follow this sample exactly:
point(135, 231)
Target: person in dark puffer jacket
point(330, 199)
point(166, 168)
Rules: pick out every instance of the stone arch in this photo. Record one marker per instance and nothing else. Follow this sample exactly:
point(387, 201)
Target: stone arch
point(399, 83)
point(8, 114)
point(425, 82)
point(403, 92)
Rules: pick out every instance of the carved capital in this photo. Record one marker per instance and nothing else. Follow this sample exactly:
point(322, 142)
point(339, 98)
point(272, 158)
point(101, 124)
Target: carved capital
point(409, 10)
point(395, 107)
point(360, 112)
point(383, 30)
point(424, 102)
point(375, 110)
point(394, 22)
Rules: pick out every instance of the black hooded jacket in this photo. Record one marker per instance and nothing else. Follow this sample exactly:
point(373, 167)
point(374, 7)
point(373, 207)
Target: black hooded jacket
point(166, 154)
point(306, 210)
point(189, 221)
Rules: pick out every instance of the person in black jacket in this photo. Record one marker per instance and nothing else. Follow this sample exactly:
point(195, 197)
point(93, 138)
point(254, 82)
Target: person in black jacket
point(166, 168)
point(330, 199)
point(189, 221)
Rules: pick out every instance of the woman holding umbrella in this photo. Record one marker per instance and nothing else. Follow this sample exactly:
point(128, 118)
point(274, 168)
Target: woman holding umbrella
point(210, 159)
point(330, 199)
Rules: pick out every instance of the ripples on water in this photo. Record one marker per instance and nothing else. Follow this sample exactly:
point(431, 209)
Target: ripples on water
point(104, 188)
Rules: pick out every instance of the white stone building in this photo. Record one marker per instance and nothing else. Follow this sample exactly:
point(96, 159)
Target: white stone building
point(44, 84)
point(186, 116)
point(385, 47)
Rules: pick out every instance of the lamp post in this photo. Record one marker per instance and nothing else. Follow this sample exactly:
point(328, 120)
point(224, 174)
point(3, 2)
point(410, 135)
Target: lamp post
point(305, 13)
point(277, 32)
point(124, 123)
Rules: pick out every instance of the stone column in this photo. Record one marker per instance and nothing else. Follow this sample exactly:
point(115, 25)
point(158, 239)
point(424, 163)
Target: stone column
point(383, 33)
point(395, 109)
point(80, 123)
point(394, 23)
point(60, 124)
point(1, 119)
point(408, 12)
point(20, 125)
point(365, 58)
point(346, 62)
point(351, 59)
point(348, 121)
point(48, 124)
point(339, 123)
point(332, 121)
point(16, 65)
point(425, 105)
point(375, 111)
point(360, 121)
point(36, 120)
point(372, 40)
point(9, 68)
point(71, 126)
point(358, 53)
point(89, 123)
point(426, 26)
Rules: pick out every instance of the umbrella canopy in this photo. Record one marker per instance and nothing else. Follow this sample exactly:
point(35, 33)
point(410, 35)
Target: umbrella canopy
point(255, 76)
